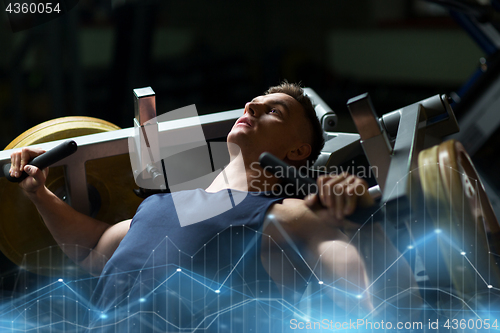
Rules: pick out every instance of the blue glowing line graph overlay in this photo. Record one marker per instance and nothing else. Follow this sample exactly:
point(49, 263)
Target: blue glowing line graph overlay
point(180, 299)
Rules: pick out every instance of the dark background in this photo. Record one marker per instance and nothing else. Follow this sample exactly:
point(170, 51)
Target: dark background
point(220, 54)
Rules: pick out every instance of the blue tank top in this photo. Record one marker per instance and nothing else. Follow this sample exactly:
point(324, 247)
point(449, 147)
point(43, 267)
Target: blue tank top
point(202, 277)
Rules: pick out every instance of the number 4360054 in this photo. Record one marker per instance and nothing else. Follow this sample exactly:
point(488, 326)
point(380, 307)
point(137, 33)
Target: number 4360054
point(33, 8)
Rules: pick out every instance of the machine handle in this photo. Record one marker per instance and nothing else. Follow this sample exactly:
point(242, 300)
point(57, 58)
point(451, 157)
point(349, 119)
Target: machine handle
point(282, 170)
point(44, 160)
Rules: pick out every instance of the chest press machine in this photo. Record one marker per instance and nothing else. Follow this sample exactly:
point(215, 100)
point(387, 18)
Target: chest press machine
point(432, 201)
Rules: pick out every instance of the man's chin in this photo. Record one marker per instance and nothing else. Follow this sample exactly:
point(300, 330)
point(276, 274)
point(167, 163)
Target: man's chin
point(236, 136)
point(236, 143)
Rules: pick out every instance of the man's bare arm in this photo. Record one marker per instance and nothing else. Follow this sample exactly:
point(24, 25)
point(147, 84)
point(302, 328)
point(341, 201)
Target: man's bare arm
point(336, 250)
point(83, 238)
point(106, 246)
point(325, 252)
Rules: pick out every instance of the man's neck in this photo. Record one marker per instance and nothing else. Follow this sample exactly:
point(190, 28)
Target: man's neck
point(242, 176)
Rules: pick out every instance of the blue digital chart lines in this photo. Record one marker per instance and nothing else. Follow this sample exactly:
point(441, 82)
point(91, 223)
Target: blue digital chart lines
point(357, 282)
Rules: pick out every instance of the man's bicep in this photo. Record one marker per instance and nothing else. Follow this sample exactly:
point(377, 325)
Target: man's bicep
point(312, 248)
point(293, 230)
point(106, 246)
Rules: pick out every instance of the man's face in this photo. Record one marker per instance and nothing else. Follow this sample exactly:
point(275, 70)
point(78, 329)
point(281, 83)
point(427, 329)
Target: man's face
point(274, 123)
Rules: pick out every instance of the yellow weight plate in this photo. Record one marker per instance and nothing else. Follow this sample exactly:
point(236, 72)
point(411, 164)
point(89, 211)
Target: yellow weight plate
point(459, 207)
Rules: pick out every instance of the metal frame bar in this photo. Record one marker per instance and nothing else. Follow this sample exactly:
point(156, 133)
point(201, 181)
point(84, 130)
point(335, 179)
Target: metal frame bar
point(420, 126)
point(373, 137)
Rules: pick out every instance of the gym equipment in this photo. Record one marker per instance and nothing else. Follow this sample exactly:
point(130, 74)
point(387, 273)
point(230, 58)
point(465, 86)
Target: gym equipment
point(459, 209)
point(415, 172)
point(24, 239)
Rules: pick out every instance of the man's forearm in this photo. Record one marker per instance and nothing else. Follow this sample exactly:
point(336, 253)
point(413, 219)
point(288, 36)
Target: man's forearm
point(75, 232)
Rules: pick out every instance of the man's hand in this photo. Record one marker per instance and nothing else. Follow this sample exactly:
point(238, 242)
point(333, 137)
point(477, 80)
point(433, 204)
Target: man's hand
point(340, 195)
point(19, 163)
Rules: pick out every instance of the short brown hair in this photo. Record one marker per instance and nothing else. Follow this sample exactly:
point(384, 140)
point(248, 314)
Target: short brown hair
point(294, 90)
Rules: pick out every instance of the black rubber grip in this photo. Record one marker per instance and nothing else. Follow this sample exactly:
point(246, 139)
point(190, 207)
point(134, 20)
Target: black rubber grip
point(46, 159)
point(290, 174)
point(281, 170)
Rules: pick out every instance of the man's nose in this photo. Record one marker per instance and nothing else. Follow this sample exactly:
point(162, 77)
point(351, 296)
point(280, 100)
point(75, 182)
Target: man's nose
point(254, 109)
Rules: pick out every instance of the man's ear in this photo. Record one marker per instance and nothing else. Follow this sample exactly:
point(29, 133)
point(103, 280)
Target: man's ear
point(299, 153)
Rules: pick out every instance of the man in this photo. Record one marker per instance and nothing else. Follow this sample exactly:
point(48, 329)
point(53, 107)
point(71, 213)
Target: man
point(263, 246)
